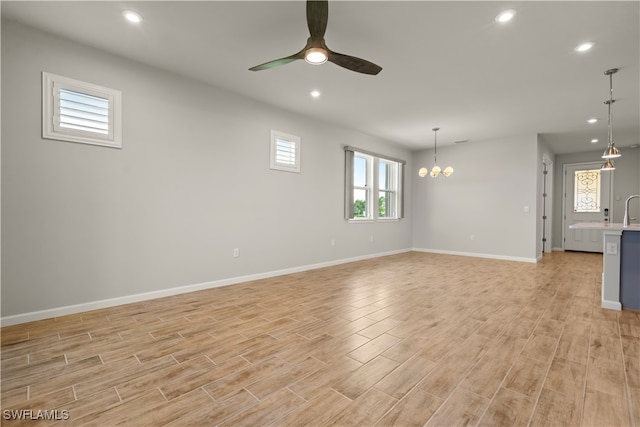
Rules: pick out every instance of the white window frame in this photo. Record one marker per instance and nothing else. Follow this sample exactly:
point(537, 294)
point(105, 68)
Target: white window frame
point(294, 141)
point(373, 189)
point(368, 186)
point(394, 179)
point(51, 129)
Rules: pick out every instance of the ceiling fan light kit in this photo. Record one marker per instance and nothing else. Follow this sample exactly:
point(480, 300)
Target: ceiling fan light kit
point(316, 51)
point(315, 56)
point(611, 152)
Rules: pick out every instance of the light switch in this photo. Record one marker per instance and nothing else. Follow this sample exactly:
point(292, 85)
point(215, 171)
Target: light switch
point(612, 249)
point(526, 209)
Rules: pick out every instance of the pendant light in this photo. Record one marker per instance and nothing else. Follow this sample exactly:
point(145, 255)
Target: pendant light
point(611, 152)
point(435, 171)
point(607, 165)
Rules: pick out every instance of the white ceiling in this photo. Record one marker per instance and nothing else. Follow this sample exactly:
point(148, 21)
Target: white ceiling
point(445, 64)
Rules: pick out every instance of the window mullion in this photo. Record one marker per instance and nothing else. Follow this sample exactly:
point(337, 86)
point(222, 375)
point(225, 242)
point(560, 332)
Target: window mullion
point(375, 199)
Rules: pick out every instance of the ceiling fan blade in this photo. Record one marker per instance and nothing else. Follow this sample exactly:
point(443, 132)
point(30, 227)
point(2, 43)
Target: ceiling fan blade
point(354, 64)
point(317, 16)
point(278, 62)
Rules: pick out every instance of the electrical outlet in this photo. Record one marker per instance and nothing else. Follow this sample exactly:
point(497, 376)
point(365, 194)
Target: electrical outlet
point(472, 237)
point(236, 252)
point(333, 242)
point(371, 238)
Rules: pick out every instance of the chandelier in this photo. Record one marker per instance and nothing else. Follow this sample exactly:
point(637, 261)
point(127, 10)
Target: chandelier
point(435, 171)
point(611, 152)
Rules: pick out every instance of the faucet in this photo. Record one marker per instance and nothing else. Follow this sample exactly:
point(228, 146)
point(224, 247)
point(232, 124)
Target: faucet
point(625, 221)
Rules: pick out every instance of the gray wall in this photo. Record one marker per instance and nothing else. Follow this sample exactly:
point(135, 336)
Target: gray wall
point(485, 198)
point(84, 223)
point(626, 181)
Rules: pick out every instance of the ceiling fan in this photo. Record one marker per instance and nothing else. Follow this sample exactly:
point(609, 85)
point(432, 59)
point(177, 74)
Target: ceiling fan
point(316, 51)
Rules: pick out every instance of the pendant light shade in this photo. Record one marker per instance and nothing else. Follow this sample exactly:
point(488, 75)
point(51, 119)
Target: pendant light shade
point(607, 165)
point(611, 151)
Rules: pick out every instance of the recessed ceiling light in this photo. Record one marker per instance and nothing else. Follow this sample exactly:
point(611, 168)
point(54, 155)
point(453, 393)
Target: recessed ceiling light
point(315, 93)
point(583, 47)
point(592, 121)
point(505, 16)
point(594, 141)
point(132, 16)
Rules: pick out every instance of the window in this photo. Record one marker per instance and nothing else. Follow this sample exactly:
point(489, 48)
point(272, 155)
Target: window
point(285, 152)
point(361, 185)
point(373, 186)
point(82, 112)
point(387, 188)
point(586, 191)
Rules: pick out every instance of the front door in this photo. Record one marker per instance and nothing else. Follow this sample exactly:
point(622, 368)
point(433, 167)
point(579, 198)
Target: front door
point(587, 199)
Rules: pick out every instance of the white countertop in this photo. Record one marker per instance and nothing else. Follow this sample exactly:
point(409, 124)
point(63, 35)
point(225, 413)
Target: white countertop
point(615, 226)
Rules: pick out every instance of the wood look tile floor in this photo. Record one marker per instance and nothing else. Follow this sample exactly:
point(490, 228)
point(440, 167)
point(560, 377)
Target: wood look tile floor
point(406, 340)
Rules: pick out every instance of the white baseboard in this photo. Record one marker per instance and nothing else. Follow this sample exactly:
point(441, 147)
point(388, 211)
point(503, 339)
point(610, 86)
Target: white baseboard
point(611, 305)
point(557, 249)
point(128, 299)
point(477, 255)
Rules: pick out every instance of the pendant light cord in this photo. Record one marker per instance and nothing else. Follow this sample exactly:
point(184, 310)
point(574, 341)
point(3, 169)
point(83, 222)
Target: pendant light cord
point(435, 145)
point(610, 102)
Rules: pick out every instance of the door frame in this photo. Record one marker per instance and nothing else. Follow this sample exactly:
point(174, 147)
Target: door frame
point(547, 203)
point(596, 165)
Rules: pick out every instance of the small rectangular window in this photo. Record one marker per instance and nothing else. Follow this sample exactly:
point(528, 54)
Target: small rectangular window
point(285, 152)
point(82, 112)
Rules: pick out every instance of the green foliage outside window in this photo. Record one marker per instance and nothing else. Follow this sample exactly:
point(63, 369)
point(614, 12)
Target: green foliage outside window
point(360, 208)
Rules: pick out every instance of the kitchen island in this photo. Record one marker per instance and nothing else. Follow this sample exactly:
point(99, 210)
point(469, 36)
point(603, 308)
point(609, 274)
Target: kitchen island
point(621, 263)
